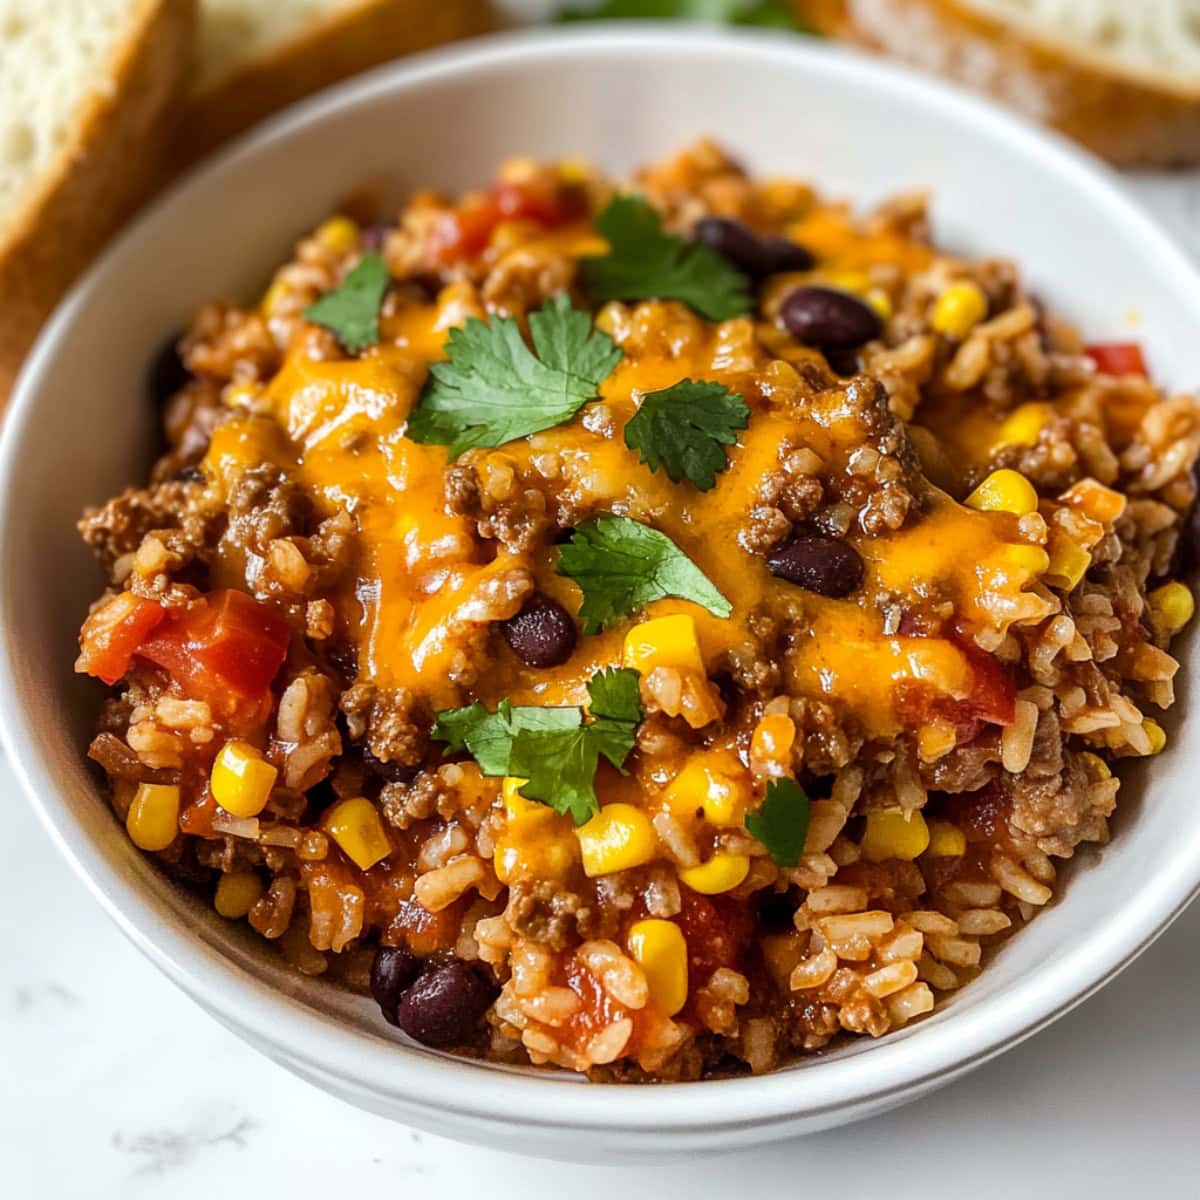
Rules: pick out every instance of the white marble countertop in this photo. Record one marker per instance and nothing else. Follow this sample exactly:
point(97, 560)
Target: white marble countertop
point(113, 1084)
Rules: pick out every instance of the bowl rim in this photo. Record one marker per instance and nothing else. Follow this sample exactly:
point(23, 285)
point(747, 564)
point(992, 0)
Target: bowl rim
point(298, 1034)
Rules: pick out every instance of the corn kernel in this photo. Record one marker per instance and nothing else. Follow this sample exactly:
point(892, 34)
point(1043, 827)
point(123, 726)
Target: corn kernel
point(575, 170)
point(357, 828)
point(1156, 734)
point(713, 786)
point(153, 817)
point(242, 779)
point(1069, 562)
point(664, 642)
point(272, 297)
point(339, 234)
point(618, 837)
point(1025, 424)
point(722, 873)
point(894, 833)
point(1171, 606)
point(881, 302)
point(946, 840)
point(237, 893)
point(959, 309)
point(856, 282)
point(1031, 560)
point(659, 948)
point(1098, 769)
point(1005, 491)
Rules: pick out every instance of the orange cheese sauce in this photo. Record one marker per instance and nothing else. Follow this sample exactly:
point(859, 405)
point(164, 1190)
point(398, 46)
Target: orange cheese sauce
point(339, 429)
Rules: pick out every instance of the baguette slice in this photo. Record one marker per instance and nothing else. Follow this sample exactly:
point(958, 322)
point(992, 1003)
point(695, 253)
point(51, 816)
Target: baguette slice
point(1120, 76)
point(256, 56)
point(87, 89)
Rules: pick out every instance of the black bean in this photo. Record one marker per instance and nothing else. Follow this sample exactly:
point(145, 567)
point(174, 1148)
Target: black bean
point(189, 473)
point(829, 319)
point(542, 634)
point(777, 910)
point(392, 972)
point(735, 243)
point(827, 567)
point(444, 1006)
point(782, 254)
point(389, 772)
point(167, 374)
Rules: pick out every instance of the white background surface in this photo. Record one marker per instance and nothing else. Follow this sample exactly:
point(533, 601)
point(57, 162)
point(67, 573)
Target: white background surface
point(112, 1084)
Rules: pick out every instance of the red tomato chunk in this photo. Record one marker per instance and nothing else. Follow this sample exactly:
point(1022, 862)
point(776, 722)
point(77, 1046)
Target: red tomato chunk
point(1118, 358)
point(112, 634)
point(228, 644)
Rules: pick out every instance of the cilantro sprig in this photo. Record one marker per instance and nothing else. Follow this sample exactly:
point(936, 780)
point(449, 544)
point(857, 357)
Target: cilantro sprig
point(774, 13)
point(493, 389)
point(351, 310)
point(621, 565)
point(684, 427)
point(781, 821)
point(554, 750)
point(644, 262)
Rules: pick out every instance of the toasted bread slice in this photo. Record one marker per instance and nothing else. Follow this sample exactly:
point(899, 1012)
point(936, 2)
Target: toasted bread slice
point(87, 89)
point(257, 56)
point(1123, 78)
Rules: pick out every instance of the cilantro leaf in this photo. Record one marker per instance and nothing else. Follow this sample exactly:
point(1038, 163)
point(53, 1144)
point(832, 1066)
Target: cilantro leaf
point(615, 704)
point(553, 749)
point(781, 821)
point(559, 766)
point(771, 14)
point(682, 428)
point(488, 737)
point(493, 389)
point(621, 565)
point(351, 310)
point(736, 12)
point(645, 263)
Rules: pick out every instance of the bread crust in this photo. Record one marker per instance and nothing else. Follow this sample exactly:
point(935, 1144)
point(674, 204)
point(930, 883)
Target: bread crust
point(109, 165)
point(344, 42)
point(1132, 117)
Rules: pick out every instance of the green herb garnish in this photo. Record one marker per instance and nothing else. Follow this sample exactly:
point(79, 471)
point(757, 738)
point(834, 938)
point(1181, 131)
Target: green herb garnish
point(646, 263)
point(621, 565)
point(554, 749)
point(684, 428)
point(493, 389)
point(775, 13)
point(351, 310)
point(781, 821)
point(488, 737)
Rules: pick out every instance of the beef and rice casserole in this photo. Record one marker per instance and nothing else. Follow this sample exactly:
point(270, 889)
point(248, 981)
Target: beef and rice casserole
point(650, 629)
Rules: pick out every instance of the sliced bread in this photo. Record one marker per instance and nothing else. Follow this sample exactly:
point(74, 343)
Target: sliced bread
point(87, 90)
point(257, 56)
point(1120, 76)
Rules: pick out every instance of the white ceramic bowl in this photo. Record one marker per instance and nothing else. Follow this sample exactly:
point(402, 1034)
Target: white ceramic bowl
point(80, 429)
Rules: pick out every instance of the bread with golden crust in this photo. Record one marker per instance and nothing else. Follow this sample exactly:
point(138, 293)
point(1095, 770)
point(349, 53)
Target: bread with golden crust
point(256, 56)
point(88, 89)
point(1122, 78)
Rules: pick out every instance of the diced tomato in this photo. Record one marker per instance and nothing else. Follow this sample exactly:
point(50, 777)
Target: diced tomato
point(716, 930)
point(227, 649)
point(112, 634)
point(465, 233)
point(991, 700)
point(1117, 358)
point(993, 694)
